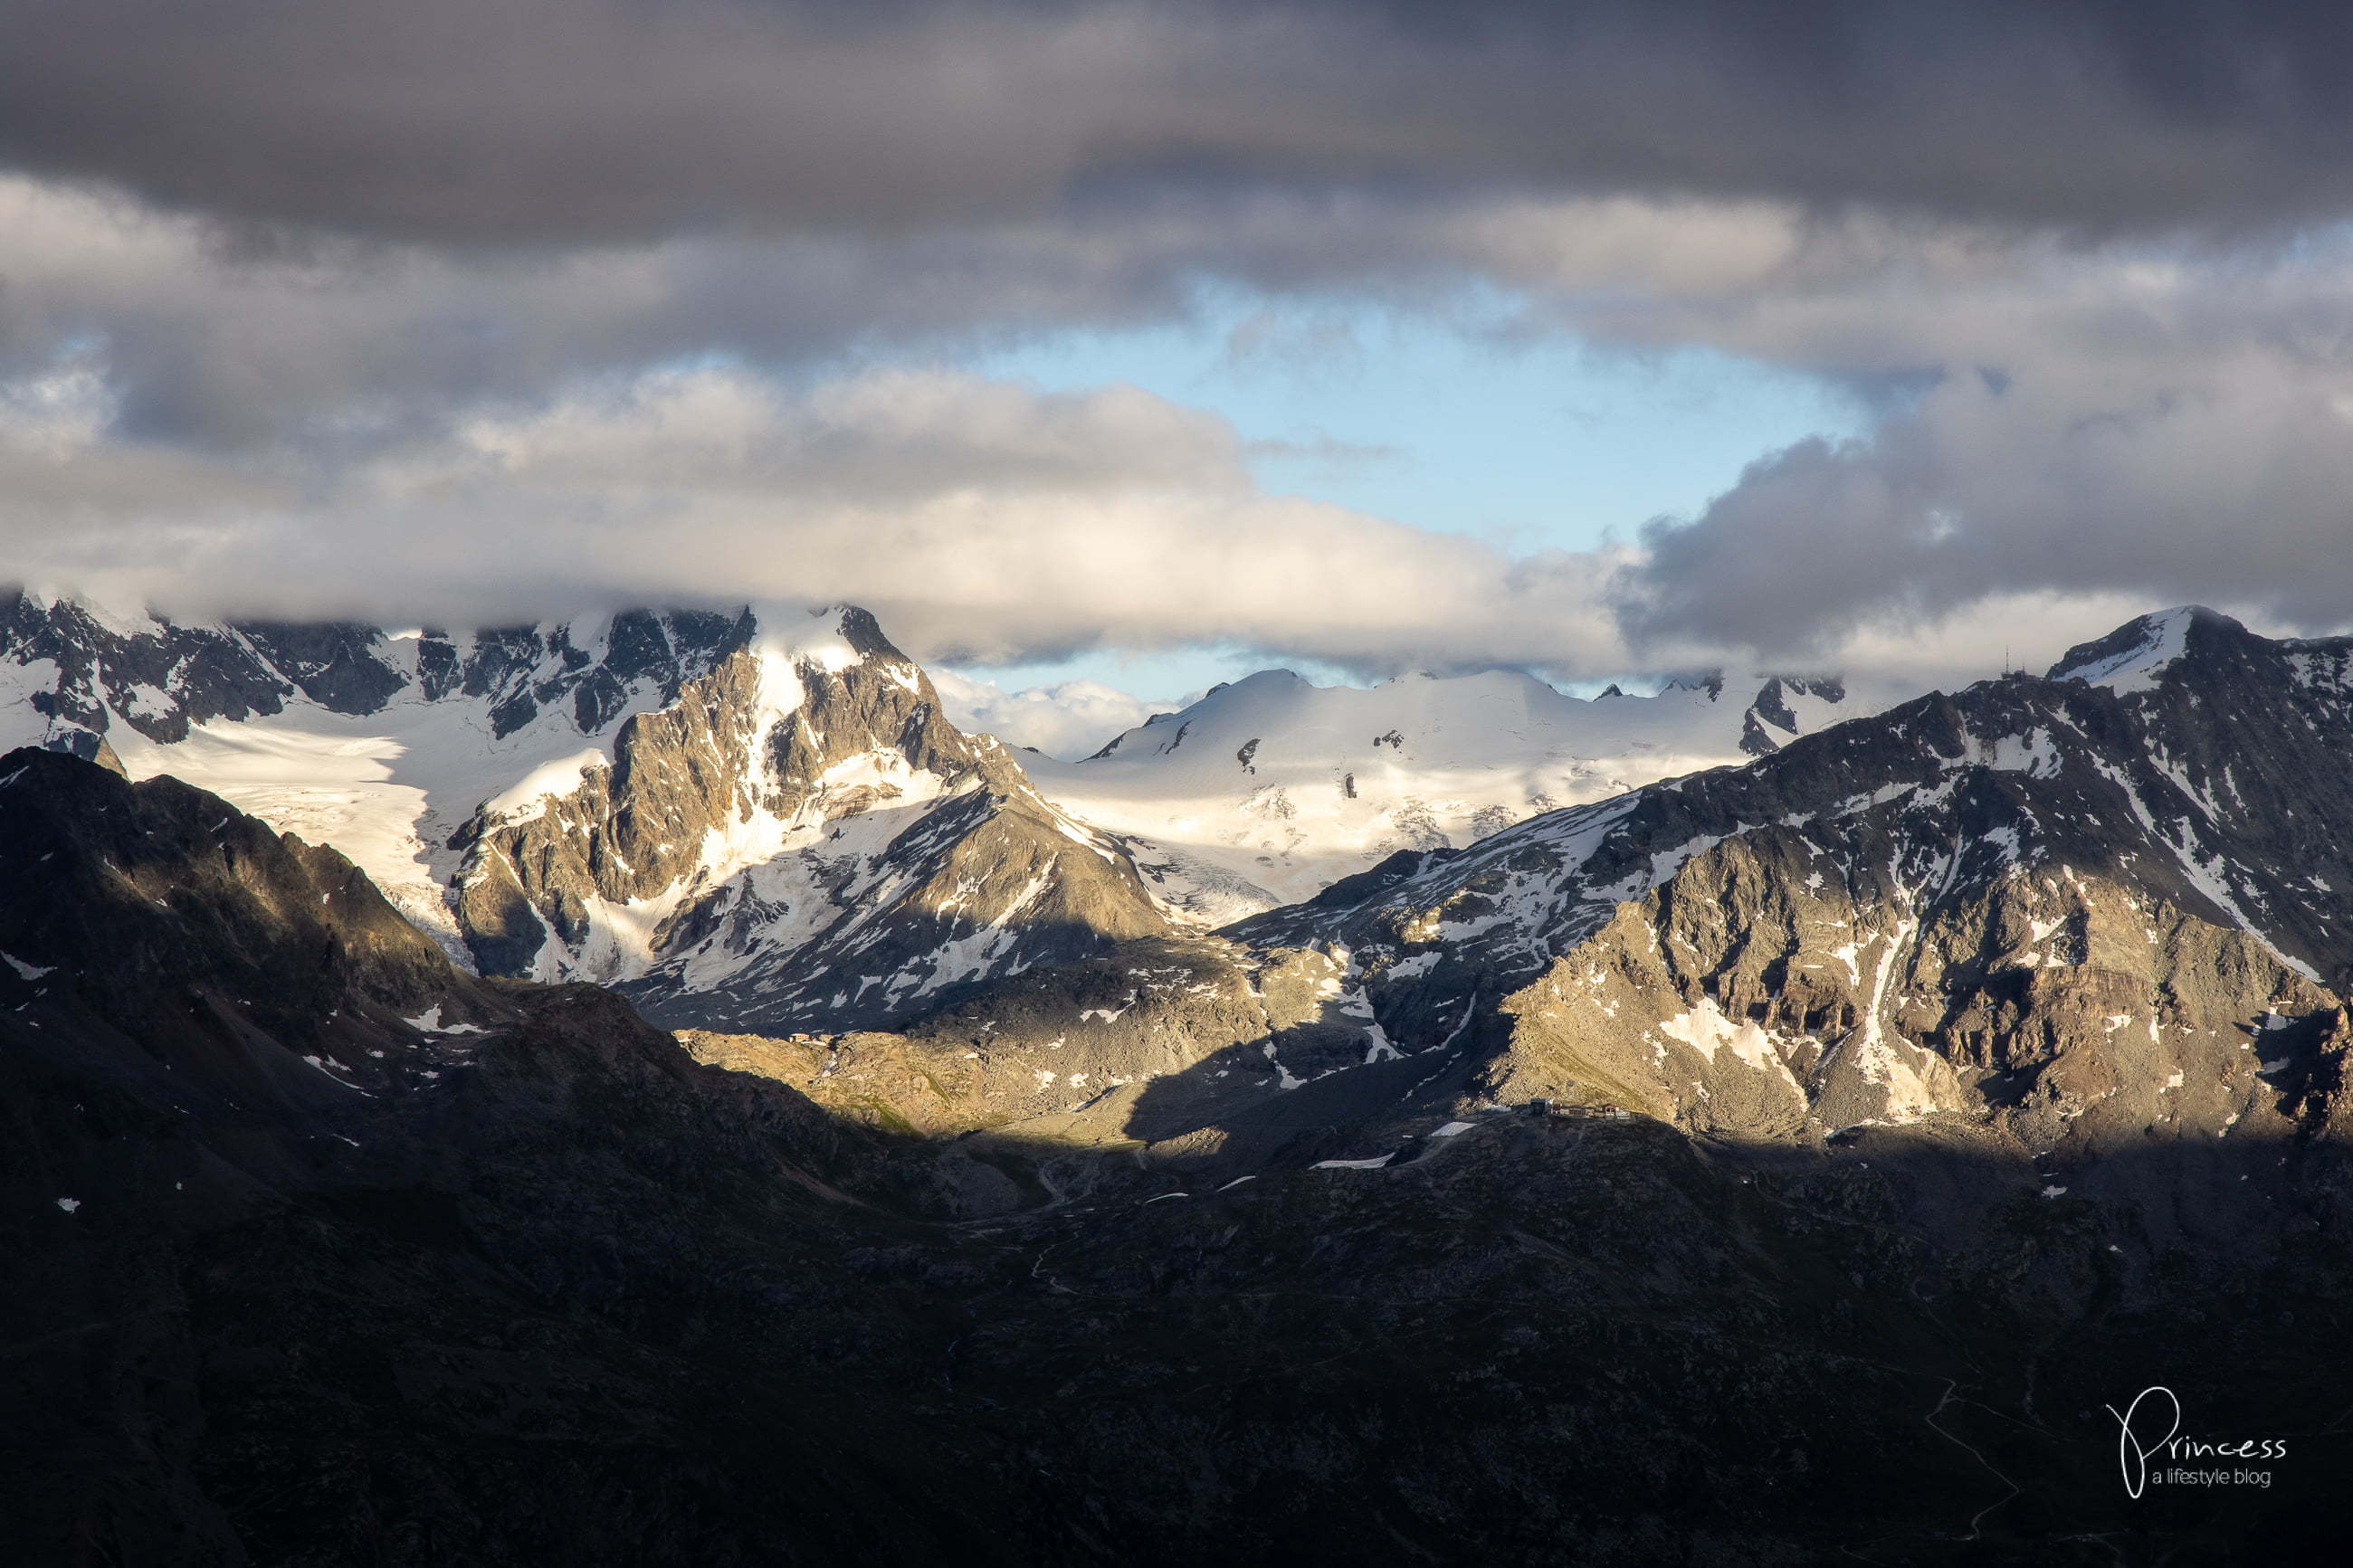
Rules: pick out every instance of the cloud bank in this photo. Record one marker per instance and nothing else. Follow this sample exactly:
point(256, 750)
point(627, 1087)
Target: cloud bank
point(1070, 719)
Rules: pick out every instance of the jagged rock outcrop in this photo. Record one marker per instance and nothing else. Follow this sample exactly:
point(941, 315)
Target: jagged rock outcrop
point(382, 743)
point(80, 670)
point(1178, 1045)
point(75, 666)
point(801, 837)
point(2061, 909)
point(156, 917)
point(2070, 1011)
point(1772, 720)
point(288, 1201)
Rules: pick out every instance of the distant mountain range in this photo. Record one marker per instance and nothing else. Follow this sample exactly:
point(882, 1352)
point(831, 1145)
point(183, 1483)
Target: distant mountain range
point(762, 819)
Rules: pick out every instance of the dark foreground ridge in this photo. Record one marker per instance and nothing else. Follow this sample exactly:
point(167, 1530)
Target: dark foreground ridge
point(322, 1252)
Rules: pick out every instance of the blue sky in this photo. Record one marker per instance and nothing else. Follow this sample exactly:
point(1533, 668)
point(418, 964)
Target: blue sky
point(1451, 421)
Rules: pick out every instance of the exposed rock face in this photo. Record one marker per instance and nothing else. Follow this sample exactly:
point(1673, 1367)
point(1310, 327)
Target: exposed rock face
point(639, 658)
point(1772, 720)
point(270, 1156)
point(2073, 1012)
point(154, 914)
point(383, 744)
point(580, 1300)
point(1174, 1048)
point(575, 1298)
point(79, 671)
point(89, 745)
point(75, 666)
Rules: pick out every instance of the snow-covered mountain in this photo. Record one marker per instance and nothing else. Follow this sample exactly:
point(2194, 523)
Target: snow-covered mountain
point(751, 816)
point(760, 819)
point(275, 1166)
point(800, 839)
point(1271, 788)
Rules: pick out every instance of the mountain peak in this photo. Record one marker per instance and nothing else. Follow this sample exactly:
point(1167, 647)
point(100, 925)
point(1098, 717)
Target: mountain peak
point(840, 631)
point(2135, 656)
point(1708, 681)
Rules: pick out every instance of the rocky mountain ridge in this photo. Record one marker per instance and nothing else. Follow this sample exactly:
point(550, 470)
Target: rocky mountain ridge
point(79, 665)
point(1877, 920)
point(383, 745)
point(2106, 907)
point(800, 837)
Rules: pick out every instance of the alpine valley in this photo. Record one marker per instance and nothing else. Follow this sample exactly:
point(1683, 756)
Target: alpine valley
point(651, 1090)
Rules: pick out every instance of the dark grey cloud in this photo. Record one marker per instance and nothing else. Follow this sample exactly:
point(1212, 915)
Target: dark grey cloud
point(565, 122)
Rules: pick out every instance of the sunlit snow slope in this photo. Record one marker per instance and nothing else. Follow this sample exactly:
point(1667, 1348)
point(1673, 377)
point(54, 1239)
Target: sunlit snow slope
point(1268, 790)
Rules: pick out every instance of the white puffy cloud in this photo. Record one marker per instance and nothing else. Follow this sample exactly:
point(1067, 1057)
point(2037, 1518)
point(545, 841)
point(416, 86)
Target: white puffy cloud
point(462, 310)
point(982, 519)
point(986, 521)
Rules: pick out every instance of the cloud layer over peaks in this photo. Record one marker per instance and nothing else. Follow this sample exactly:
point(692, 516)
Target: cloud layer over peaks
point(983, 520)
